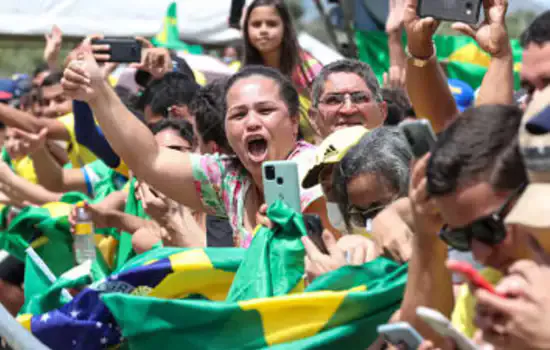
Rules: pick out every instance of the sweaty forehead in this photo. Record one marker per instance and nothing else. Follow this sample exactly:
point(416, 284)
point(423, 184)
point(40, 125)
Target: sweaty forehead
point(342, 82)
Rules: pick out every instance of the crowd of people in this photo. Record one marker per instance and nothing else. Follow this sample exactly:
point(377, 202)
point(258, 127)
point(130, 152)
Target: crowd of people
point(192, 157)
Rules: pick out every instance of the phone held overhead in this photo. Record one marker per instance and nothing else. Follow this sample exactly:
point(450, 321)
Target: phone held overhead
point(466, 11)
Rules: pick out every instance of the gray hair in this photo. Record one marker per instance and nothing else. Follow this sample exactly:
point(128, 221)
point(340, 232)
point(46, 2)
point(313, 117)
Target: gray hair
point(362, 69)
point(383, 152)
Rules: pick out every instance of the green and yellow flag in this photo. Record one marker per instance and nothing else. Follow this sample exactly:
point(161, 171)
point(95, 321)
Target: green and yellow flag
point(463, 58)
point(169, 37)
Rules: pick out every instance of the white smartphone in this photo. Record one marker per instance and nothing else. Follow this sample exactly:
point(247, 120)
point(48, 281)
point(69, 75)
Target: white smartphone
point(401, 334)
point(280, 179)
point(443, 327)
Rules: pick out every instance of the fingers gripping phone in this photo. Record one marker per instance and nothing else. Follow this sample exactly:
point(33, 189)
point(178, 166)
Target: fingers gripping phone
point(122, 50)
point(443, 327)
point(419, 135)
point(401, 334)
point(280, 179)
point(472, 275)
point(466, 11)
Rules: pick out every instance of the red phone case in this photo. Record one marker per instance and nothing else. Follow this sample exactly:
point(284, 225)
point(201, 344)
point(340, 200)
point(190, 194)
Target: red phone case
point(472, 275)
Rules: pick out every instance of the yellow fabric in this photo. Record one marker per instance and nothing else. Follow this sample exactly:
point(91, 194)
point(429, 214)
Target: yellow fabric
point(24, 167)
point(107, 245)
point(78, 154)
point(289, 317)
point(464, 311)
point(199, 77)
point(305, 124)
point(235, 65)
point(193, 270)
point(58, 209)
point(25, 321)
point(122, 169)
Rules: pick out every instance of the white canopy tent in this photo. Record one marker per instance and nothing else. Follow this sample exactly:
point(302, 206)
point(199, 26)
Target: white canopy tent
point(202, 22)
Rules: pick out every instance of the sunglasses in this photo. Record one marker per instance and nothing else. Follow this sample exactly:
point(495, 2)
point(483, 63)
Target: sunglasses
point(358, 216)
point(489, 230)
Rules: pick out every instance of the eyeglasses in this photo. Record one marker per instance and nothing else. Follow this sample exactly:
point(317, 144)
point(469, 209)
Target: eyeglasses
point(337, 99)
point(358, 216)
point(489, 230)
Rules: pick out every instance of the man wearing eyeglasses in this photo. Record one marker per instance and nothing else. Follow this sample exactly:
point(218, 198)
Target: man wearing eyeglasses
point(346, 93)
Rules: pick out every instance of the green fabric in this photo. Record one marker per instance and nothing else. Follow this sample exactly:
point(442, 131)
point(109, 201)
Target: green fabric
point(373, 49)
point(133, 207)
point(278, 263)
point(103, 180)
point(272, 268)
point(169, 37)
point(201, 324)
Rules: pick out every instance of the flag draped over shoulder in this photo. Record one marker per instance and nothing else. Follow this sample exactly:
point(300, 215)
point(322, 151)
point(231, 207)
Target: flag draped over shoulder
point(464, 59)
point(226, 298)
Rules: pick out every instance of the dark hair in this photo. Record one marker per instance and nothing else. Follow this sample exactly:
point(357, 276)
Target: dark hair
point(41, 67)
point(509, 170)
point(383, 152)
point(287, 91)
point(209, 117)
point(290, 49)
point(183, 127)
point(470, 149)
point(173, 89)
point(398, 105)
point(128, 98)
point(361, 69)
point(538, 31)
point(52, 79)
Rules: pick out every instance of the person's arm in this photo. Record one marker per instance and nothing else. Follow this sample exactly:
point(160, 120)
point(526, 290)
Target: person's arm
point(89, 135)
point(167, 170)
point(33, 193)
point(427, 86)
point(54, 40)
point(55, 178)
point(492, 37)
point(429, 281)
point(124, 222)
point(25, 121)
point(395, 78)
point(48, 171)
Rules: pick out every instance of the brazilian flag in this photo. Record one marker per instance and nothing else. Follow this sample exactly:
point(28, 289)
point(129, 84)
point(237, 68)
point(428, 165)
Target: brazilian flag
point(462, 57)
point(169, 37)
point(227, 298)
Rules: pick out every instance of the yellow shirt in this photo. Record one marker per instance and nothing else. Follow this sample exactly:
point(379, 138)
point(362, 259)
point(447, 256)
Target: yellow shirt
point(464, 311)
point(78, 154)
point(24, 167)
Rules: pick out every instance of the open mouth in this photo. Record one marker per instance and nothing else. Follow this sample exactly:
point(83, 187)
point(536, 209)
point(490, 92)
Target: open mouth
point(257, 148)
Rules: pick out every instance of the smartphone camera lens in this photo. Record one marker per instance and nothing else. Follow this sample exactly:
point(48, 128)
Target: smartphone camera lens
point(270, 172)
point(280, 181)
point(469, 8)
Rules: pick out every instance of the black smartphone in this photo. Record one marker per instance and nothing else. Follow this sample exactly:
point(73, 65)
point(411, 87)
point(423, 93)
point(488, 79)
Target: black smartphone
point(419, 135)
point(315, 228)
point(122, 50)
point(466, 11)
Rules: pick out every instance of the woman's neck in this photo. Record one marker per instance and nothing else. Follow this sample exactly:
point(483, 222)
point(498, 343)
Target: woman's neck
point(272, 59)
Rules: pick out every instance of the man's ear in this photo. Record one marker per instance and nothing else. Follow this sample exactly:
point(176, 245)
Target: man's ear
point(313, 114)
point(384, 110)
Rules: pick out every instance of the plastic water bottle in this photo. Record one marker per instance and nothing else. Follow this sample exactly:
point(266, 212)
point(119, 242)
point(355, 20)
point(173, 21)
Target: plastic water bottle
point(84, 243)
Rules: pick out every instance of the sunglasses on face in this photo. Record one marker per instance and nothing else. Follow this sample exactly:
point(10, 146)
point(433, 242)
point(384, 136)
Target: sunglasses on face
point(358, 216)
point(489, 230)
